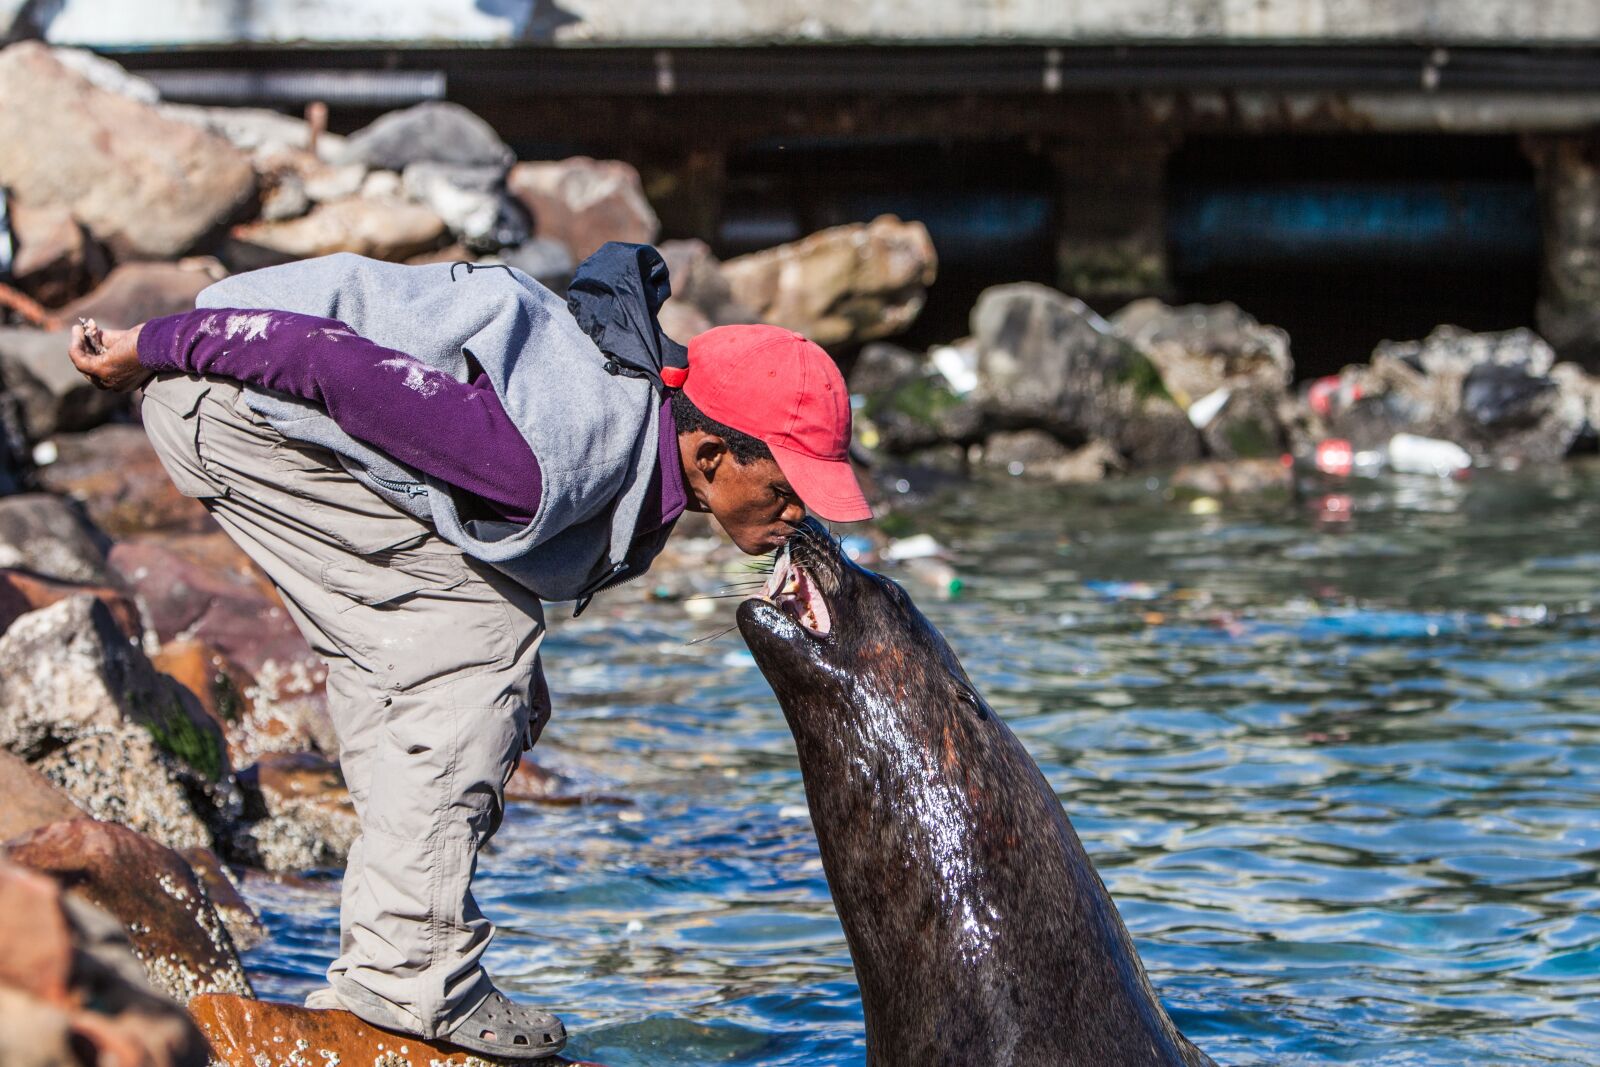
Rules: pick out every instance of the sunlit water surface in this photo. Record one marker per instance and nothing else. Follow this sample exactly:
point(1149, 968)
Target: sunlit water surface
point(1342, 778)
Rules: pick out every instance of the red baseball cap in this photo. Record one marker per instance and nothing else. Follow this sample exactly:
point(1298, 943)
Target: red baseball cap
point(784, 390)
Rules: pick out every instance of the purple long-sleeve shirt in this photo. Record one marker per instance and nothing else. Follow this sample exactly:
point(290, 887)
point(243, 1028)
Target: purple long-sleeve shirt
point(455, 431)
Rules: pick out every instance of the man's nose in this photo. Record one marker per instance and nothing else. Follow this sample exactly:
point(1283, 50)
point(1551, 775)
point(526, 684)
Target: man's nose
point(794, 514)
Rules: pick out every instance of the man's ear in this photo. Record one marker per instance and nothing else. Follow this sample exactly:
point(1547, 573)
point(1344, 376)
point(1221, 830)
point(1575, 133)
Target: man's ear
point(709, 454)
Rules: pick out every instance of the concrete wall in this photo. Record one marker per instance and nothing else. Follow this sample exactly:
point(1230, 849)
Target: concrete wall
point(154, 23)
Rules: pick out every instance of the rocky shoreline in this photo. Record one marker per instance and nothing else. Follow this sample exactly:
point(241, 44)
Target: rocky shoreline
point(162, 722)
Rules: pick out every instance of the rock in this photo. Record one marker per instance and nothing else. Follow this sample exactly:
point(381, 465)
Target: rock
point(29, 800)
point(306, 819)
point(433, 132)
point(583, 202)
point(221, 686)
point(128, 744)
point(389, 229)
point(55, 259)
point(22, 592)
point(118, 479)
point(137, 292)
point(1200, 348)
point(534, 784)
point(255, 1033)
point(150, 889)
point(382, 185)
point(545, 260)
point(143, 184)
point(121, 776)
point(1233, 478)
point(682, 321)
point(46, 535)
point(1493, 394)
point(1249, 424)
point(244, 926)
point(71, 991)
point(203, 588)
point(108, 75)
point(1046, 361)
point(697, 280)
point(471, 200)
point(16, 464)
point(1035, 454)
point(54, 398)
point(252, 129)
point(283, 198)
point(850, 283)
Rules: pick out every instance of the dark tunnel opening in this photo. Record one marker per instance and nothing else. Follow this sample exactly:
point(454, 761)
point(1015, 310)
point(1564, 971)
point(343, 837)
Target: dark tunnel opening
point(1347, 240)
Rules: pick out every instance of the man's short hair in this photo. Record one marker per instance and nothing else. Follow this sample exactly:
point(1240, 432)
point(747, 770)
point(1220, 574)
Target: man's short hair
point(745, 449)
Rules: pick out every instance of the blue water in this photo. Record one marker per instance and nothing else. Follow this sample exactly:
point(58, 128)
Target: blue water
point(1340, 768)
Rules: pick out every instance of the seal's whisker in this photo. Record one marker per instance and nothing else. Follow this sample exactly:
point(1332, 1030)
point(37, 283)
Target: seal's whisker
point(713, 637)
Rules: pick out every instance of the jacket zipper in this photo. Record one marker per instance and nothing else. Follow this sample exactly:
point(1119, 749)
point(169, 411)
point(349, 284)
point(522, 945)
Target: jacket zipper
point(601, 584)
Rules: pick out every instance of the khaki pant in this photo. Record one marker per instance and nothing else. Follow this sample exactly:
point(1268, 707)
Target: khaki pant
point(431, 661)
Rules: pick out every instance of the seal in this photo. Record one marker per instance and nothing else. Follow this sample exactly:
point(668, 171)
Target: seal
point(980, 932)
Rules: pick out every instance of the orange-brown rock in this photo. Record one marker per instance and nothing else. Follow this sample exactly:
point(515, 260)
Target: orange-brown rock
point(153, 893)
point(29, 800)
point(254, 1033)
point(533, 784)
point(71, 992)
point(222, 686)
point(243, 923)
point(22, 592)
point(116, 475)
point(203, 587)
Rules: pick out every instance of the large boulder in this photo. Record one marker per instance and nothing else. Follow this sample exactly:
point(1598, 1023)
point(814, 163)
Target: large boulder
point(1495, 394)
point(432, 132)
point(1200, 348)
point(153, 893)
point(305, 816)
point(583, 202)
point(128, 744)
point(203, 588)
point(380, 227)
point(55, 260)
point(29, 800)
point(265, 683)
point(249, 1033)
point(53, 396)
point(121, 776)
point(16, 464)
point(472, 201)
point(138, 292)
point(22, 592)
point(146, 186)
point(243, 923)
point(116, 476)
point(698, 281)
point(46, 535)
point(71, 992)
point(849, 283)
point(68, 672)
point(1046, 361)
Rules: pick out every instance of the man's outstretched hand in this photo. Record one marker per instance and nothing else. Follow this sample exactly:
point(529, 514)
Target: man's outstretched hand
point(108, 358)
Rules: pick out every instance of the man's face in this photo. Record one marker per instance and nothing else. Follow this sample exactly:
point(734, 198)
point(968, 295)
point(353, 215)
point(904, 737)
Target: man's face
point(752, 501)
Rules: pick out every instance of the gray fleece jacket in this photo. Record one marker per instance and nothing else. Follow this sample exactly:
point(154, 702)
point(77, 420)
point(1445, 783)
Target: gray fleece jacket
point(595, 433)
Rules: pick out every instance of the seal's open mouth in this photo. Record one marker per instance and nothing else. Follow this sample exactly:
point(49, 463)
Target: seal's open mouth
point(795, 592)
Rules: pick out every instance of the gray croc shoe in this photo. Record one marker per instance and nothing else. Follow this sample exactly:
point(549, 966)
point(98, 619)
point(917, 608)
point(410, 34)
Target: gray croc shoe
point(511, 1031)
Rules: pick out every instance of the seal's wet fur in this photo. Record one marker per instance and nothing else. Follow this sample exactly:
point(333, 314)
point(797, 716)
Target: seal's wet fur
point(980, 932)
